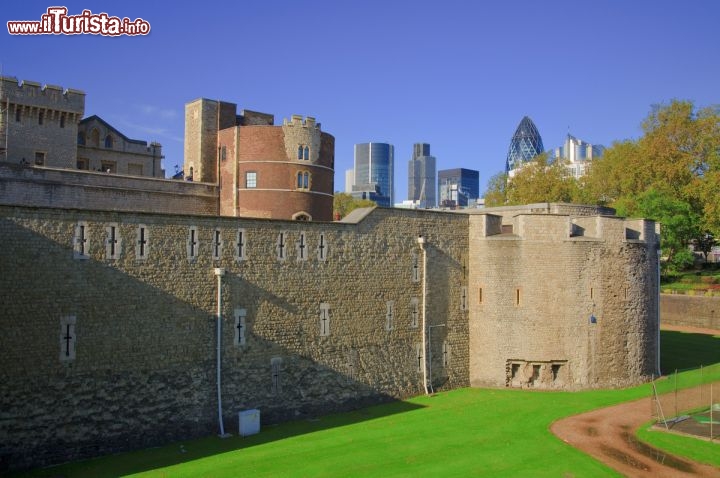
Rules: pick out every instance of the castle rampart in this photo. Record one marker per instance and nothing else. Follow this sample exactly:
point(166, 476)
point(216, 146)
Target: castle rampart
point(109, 316)
point(111, 335)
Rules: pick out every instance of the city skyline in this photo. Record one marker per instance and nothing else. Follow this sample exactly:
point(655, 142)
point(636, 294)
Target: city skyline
point(466, 101)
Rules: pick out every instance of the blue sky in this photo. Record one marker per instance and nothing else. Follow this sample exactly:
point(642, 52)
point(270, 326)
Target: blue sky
point(459, 75)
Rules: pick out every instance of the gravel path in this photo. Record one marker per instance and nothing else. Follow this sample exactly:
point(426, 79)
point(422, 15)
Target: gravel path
point(608, 435)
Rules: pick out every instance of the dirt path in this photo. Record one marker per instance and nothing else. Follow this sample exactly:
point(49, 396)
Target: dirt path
point(608, 435)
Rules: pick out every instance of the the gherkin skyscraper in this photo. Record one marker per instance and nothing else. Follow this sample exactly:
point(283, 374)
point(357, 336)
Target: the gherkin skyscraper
point(526, 143)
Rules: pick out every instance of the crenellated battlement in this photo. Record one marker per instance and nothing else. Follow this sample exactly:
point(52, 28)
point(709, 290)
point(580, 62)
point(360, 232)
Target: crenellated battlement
point(564, 227)
point(298, 120)
point(34, 94)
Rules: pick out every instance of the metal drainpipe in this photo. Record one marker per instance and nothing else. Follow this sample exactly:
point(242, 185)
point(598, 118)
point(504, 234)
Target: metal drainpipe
point(421, 242)
point(219, 272)
point(659, 372)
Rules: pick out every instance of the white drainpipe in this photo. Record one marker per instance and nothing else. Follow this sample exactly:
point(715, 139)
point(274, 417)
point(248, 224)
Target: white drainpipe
point(219, 272)
point(421, 242)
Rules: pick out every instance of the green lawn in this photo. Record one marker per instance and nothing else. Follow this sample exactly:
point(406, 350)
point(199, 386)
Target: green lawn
point(466, 432)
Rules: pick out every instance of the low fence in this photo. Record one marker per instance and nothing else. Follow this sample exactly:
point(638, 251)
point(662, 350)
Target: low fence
point(688, 403)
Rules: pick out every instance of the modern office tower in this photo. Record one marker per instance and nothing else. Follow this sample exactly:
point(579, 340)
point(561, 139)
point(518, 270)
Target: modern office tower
point(458, 187)
point(525, 144)
point(421, 176)
point(349, 180)
point(577, 153)
point(374, 166)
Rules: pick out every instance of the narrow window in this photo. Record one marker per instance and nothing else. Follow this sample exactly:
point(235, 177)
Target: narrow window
point(251, 179)
point(240, 245)
point(480, 296)
point(39, 159)
point(389, 315)
point(299, 180)
point(463, 298)
point(95, 138)
point(306, 153)
point(81, 138)
point(67, 338)
point(17, 113)
point(223, 153)
point(112, 242)
point(108, 141)
point(322, 248)
point(240, 327)
point(591, 293)
point(301, 248)
point(62, 120)
point(418, 357)
point(324, 319)
point(517, 296)
point(445, 354)
point(80, 241)
point(217, 245)
point(275, 365)
point(142, 247)
point(192, 243)
point(414, 312)
point(415, 268)
point(41, 117)
point(352, 365)
point(300, 152)
point(280, 246)
point(306, 180)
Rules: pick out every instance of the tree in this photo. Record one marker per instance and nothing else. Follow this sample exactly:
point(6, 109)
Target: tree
point(344, 203)
point(675, 164)
point(542, 181)
point(705, 244)
point(679, 225)
point(495, 194)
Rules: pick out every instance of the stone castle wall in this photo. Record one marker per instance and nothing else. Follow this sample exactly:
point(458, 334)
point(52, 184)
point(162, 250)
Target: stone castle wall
point(556, 302)
point(110, 328)
point(60, 188)
point(40, 120)
point(690, 311)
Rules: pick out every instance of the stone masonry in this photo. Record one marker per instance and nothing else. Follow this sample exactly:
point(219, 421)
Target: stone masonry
point(109, 317)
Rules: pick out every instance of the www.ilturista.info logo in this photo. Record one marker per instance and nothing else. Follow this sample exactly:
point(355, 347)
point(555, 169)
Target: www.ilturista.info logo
point(57, 22)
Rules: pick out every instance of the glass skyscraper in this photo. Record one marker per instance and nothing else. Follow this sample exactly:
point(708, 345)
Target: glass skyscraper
point(458, 187)
point(525, 144)
point(374, 169)
point(421, 176)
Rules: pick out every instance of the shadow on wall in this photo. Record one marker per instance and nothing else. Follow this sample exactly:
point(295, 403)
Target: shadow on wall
point(144, 367)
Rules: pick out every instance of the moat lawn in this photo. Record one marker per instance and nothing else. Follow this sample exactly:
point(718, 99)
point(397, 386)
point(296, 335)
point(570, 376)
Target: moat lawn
point(466, 432)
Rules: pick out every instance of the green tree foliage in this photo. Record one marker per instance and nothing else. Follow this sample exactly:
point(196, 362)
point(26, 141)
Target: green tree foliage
point(537, 181)
point(344, 203)
point(678, 219)
point(671, 174)
point(495, 194)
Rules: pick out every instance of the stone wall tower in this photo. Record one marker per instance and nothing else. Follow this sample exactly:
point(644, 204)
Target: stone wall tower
point(203, 119)
point(39, 123)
